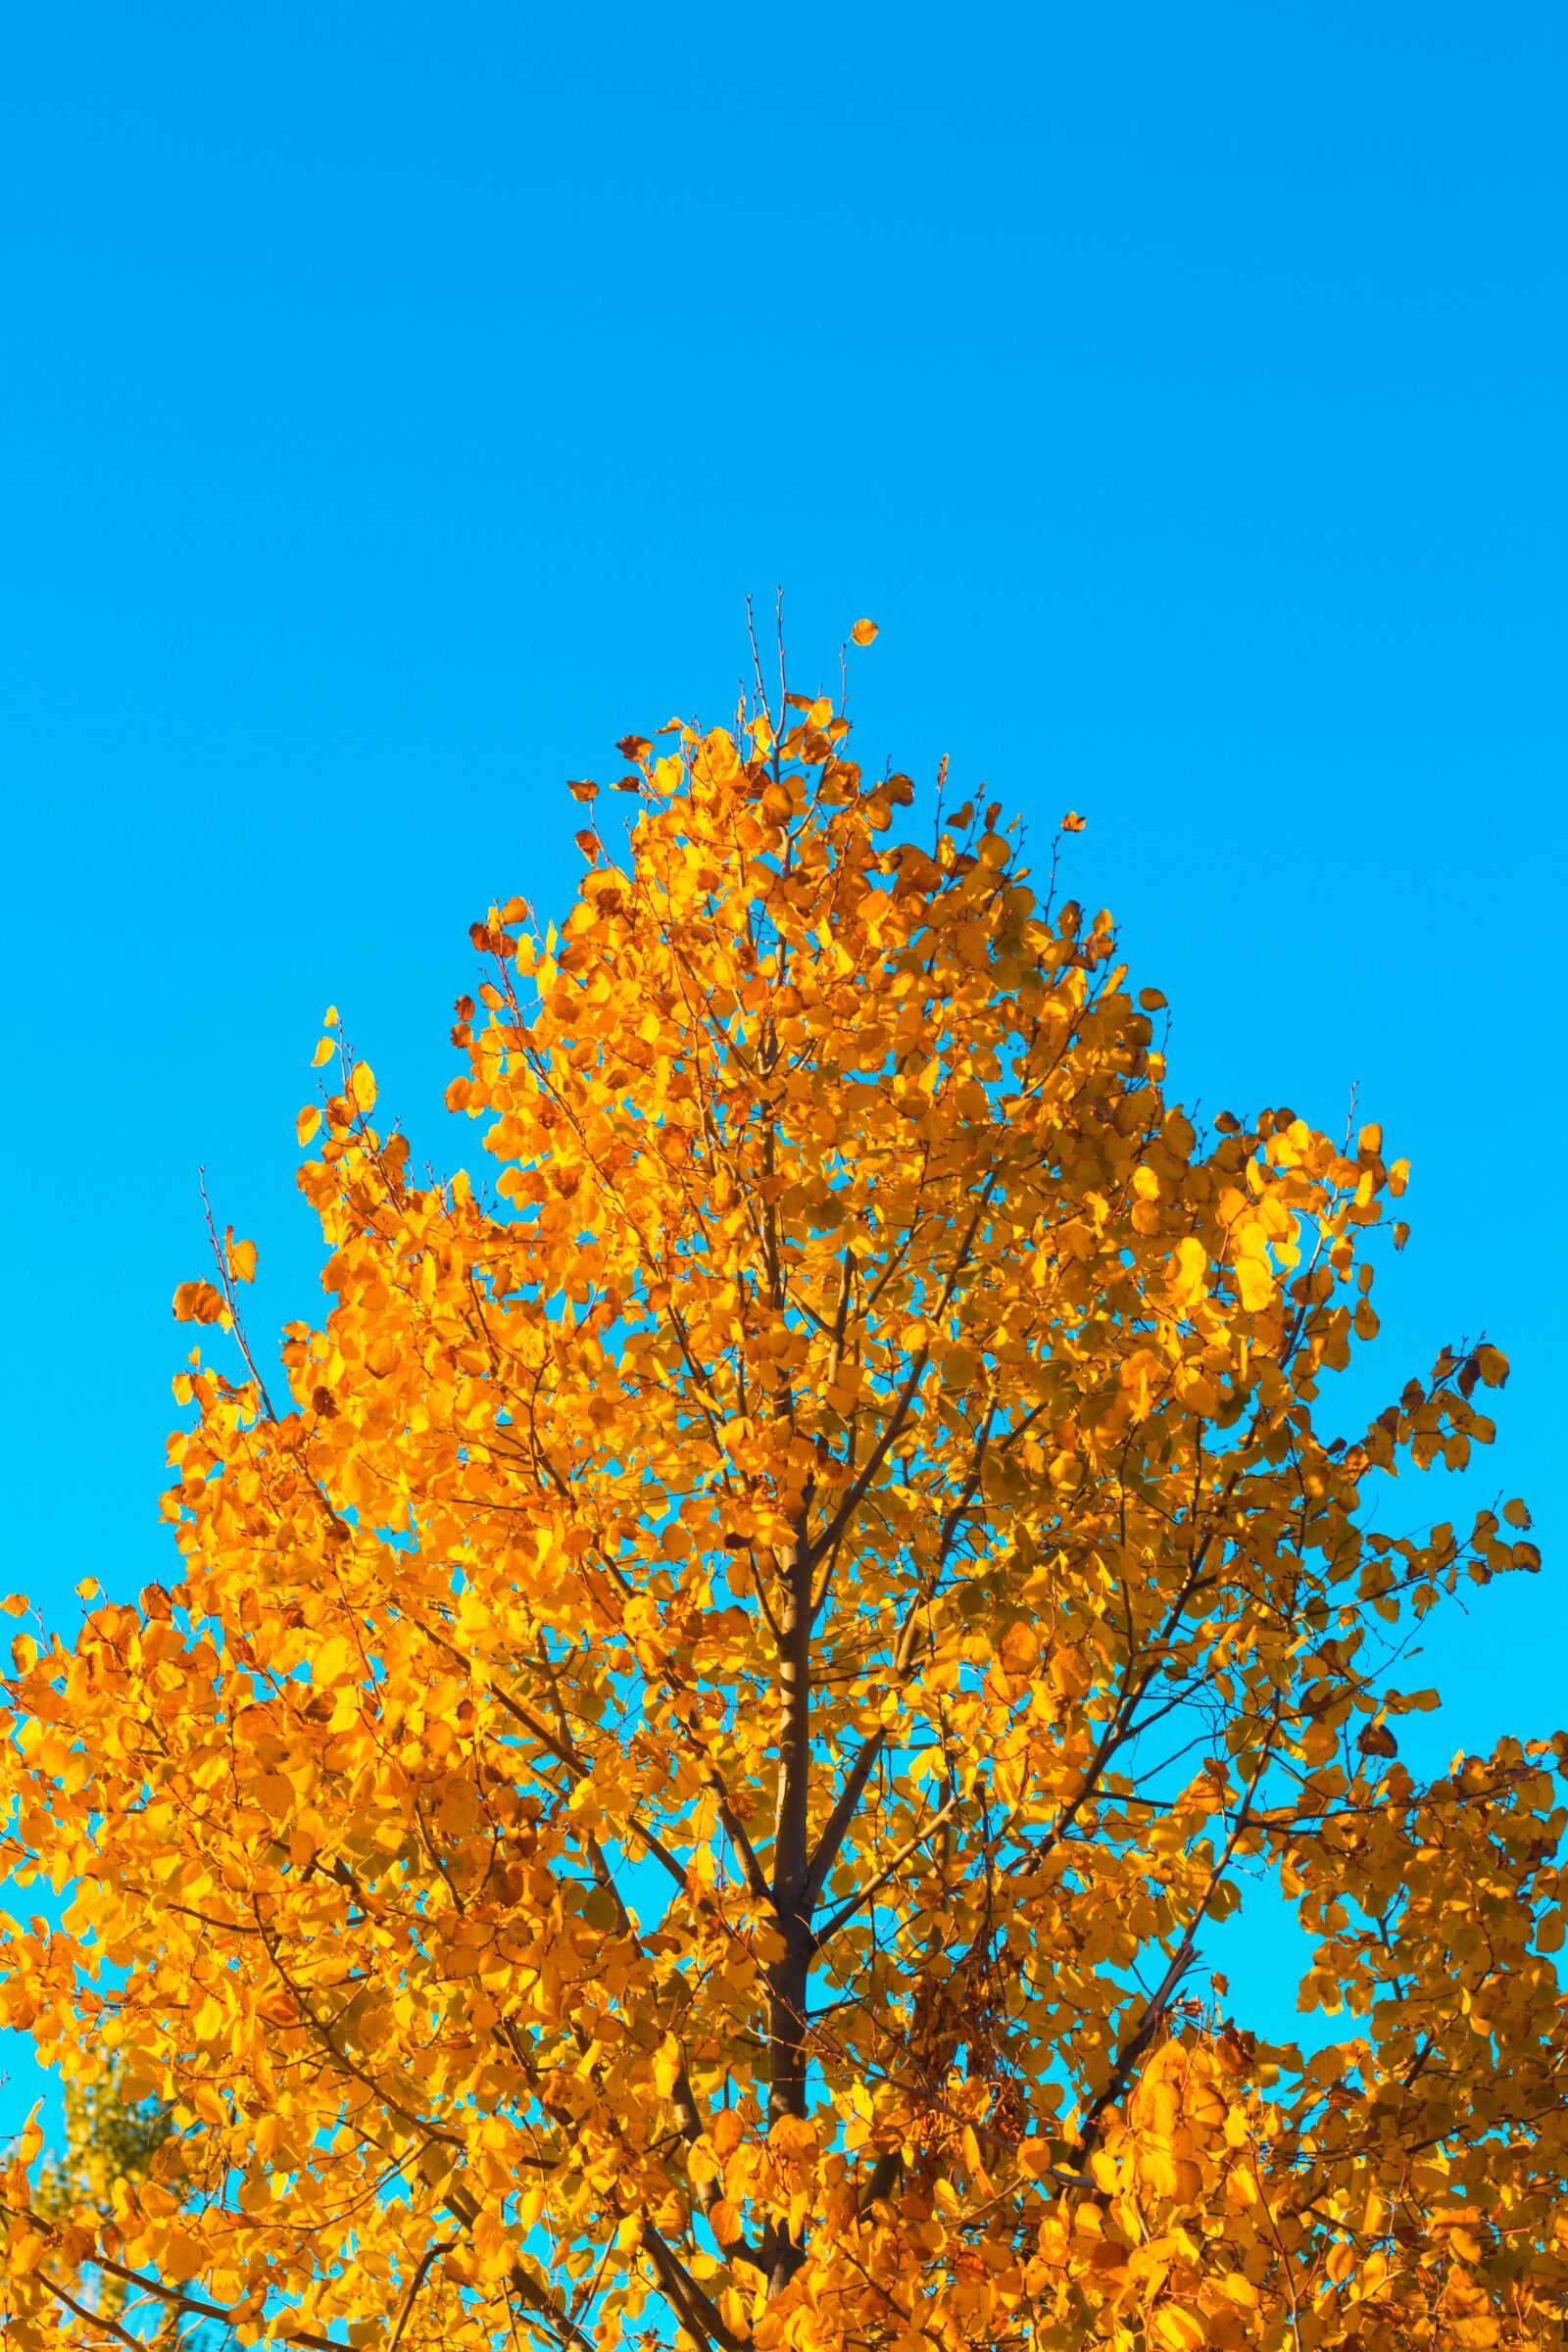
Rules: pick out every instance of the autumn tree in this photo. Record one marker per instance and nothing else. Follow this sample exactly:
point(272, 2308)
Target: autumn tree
point(681, 1779)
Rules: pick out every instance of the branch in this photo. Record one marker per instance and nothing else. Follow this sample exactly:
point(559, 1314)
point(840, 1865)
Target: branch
point(696, 2310)
point(689, 2117)
point(873, 1463)
point(415, 2123)
point(1181, 1961)
point(888, 1870)
point(917, 1370)
point(734, 1829)
point(93, 2319)
point(843, 1813)
point(411, 2295)
point(464, 2207)
point(547, 1739)
point(176, 2301)
point(227, 1281)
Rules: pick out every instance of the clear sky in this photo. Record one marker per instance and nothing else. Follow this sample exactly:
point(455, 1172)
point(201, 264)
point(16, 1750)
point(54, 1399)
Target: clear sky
point(398, 403)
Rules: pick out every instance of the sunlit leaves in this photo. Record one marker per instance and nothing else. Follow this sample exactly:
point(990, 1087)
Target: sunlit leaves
point(686, 1764)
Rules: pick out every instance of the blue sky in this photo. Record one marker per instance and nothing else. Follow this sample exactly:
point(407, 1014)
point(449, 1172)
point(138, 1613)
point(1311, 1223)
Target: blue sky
point(399, 404)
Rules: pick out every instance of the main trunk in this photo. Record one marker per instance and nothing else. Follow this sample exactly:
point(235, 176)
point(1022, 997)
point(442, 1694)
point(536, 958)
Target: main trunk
point(787, 1979)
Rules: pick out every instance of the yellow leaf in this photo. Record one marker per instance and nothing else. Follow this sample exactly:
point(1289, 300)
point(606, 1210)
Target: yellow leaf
point(1177, 2331)
point(1019, 1649)
point(531, 2205)
point(362, 1086)
point(1188, 1269)
point(330, 1661)
point(306, 1125)
point(24, 2249)
point(1255, 1282)
point(325, 1052)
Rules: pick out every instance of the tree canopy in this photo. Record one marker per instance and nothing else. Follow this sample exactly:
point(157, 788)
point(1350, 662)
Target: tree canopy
point(680, 1780)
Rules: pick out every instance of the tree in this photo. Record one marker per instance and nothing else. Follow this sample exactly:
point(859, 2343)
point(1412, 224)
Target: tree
point(683, 1776)
point(110, 2141)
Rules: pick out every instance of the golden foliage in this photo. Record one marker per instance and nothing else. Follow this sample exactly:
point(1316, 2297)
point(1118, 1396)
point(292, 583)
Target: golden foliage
point(686, 1765)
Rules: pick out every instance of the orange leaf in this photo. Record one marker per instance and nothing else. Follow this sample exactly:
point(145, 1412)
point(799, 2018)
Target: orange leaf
point(864, 632)
point(198, 1302)
point(725, 2220)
